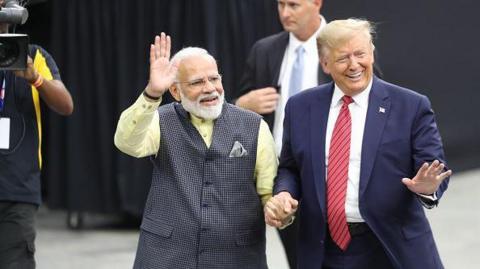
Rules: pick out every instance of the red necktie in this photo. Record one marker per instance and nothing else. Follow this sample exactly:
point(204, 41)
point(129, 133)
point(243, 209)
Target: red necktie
point(337, 176)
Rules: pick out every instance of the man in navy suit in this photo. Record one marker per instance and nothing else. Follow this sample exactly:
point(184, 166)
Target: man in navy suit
point(392, 158)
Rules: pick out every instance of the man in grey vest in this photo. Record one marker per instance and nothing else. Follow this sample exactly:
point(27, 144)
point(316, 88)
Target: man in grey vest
point(214, 165)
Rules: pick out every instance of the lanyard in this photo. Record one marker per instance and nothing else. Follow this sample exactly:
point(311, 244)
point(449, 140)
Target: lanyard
point(2, 92)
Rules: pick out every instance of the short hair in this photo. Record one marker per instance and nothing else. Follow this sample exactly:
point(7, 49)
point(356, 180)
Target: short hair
point(337, 33)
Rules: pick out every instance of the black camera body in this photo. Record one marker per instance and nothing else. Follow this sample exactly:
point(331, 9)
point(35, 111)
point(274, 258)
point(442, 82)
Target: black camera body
point(13, 47)
point(13, 51)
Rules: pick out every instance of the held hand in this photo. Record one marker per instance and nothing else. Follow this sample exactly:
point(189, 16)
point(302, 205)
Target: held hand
point(162, 71)
point(279, 209)
point(29, 74)
point(262, 101)
point(428, 178)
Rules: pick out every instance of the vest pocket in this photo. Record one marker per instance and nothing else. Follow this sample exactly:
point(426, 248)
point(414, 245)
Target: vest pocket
point(248, 238)
point(156, 227)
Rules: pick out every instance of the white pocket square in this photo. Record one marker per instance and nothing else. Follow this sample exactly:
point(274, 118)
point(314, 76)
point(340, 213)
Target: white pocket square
point(238, 150)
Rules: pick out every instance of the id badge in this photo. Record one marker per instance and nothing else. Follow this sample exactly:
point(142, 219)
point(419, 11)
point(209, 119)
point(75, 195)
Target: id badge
point(4, 133)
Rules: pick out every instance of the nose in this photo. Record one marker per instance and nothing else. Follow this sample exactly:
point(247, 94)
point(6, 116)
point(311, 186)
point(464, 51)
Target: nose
point(209, 86)
point(284, 12)
point(353, 62)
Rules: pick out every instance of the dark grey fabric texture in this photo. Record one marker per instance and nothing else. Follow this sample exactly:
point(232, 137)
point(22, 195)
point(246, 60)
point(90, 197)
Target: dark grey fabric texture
point(17, 235)
point(203, 210)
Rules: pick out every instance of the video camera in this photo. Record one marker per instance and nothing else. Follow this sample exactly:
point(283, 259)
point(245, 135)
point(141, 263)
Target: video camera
point(13, 47)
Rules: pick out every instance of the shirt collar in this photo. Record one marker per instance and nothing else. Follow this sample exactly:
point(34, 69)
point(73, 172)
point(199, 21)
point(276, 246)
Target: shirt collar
point(310, 45)
point(197, 121)
point(361, 99)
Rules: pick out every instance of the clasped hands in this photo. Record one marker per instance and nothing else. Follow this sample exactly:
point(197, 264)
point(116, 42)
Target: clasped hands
point(279, 209)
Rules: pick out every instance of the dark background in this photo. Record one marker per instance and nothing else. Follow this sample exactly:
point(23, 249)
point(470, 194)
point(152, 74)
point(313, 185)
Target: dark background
point(101, 48)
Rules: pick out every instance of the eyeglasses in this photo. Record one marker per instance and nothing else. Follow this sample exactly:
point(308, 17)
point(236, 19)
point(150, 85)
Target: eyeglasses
point(202, 82)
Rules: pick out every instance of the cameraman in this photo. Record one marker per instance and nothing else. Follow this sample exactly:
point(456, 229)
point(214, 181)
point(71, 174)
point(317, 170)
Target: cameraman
point(21, 159)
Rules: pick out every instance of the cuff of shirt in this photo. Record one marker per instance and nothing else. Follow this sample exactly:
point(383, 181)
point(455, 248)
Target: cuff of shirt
point(149, 105)
point(151, 101)
point(289, 222)
point(428, 201)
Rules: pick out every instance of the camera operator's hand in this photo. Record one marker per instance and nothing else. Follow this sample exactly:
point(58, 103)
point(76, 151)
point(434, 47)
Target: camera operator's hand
point(162, 71)
point(52, 91)
point(29, 74)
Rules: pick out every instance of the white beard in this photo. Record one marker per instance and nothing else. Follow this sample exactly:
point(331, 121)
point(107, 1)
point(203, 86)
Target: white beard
point(195, 107)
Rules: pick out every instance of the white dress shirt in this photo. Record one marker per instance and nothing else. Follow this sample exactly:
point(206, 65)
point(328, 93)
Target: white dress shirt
point(358, 112)
point(310, 76)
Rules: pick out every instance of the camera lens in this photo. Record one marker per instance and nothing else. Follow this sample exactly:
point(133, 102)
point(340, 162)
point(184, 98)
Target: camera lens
point(9, 53)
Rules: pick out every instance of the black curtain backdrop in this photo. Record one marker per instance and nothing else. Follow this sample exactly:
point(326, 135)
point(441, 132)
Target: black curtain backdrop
point(101, 48)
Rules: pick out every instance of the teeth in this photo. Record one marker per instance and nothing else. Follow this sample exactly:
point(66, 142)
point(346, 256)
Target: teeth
point(355, 75)
point(209, 99)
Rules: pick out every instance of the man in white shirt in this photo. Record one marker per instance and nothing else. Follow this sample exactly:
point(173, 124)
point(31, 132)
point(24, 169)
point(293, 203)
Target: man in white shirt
point(267, 84)
point(361, 158)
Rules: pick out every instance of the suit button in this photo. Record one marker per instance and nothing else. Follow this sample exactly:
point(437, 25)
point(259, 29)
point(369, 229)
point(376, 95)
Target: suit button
point(208, 183)
point(204, 205)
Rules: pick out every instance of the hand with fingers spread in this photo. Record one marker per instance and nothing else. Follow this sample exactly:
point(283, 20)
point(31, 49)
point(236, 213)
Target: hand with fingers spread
point(280, 209)
point(262, 101)
point(428, 178)
point(162, 71)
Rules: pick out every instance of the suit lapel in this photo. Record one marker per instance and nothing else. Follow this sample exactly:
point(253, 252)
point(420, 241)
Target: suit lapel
point(377, 115)
point(276, 56)
point(318, 123)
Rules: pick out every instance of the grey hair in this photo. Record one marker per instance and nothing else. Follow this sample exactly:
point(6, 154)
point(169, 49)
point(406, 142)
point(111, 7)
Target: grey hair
point(190, 52)
point(337, 33)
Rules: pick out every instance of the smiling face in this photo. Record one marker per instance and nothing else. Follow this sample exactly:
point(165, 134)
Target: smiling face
point(351, 63)
point(199, 86)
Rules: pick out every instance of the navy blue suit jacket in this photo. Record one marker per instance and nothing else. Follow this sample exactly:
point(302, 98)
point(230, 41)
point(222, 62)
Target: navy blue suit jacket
point(396, 143)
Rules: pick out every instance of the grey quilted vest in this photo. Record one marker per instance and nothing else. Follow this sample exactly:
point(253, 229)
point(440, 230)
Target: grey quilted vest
point(203, 211)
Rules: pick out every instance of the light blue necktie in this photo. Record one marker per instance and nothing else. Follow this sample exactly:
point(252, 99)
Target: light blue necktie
point(297, 72)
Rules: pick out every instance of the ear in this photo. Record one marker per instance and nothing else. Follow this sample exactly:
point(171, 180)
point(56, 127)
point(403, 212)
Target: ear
point(325, 66)
point(175, 92)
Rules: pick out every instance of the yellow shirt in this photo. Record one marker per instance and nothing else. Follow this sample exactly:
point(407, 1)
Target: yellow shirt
point(138, 135)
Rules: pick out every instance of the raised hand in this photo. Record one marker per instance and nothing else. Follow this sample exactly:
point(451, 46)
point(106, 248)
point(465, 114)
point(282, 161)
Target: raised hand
point(280, 209)
point(162, 71)
point(428, 178)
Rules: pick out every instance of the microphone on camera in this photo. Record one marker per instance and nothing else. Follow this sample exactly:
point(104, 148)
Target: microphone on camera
point(13, 13)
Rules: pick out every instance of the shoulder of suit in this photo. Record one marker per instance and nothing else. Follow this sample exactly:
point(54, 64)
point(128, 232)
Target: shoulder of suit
point(398, 90)
point(271, 39)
